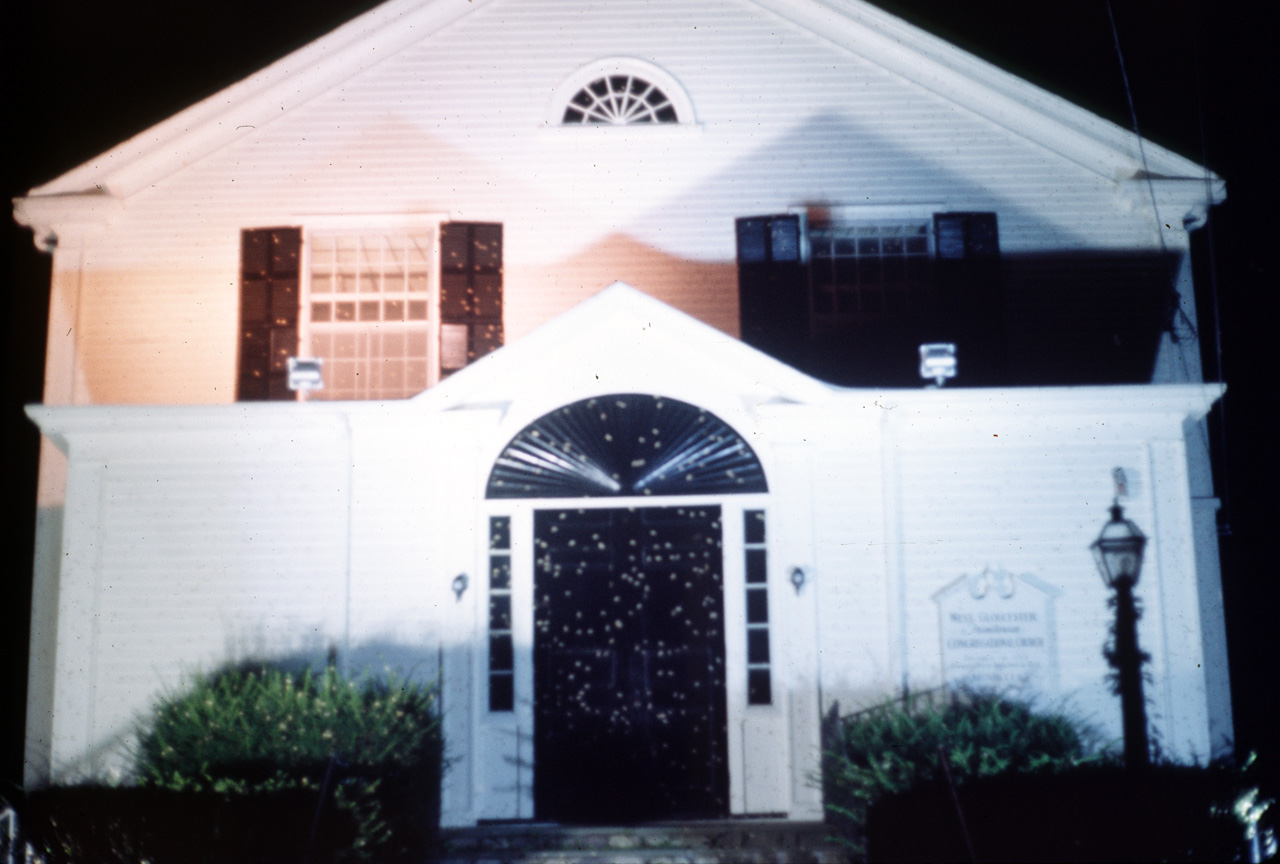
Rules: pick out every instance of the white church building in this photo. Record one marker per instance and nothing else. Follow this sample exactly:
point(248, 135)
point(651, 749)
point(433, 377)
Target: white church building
point(569, 354)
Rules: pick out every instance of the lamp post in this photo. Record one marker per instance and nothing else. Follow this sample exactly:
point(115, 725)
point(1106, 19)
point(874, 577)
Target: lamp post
point(1118, 553)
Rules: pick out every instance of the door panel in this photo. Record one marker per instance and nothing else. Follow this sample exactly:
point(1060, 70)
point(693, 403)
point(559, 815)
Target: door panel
point(629, 664)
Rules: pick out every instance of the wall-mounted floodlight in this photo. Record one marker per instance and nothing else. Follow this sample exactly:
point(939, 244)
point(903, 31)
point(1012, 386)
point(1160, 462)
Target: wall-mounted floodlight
point(306, 373)
point(460, 585)
point(798, 578)
point(938, 361)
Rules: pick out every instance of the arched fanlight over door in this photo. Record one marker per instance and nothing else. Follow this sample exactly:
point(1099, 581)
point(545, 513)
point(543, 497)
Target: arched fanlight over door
point(626, 444)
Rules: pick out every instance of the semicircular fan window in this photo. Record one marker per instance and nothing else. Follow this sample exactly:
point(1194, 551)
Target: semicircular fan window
point(620, 100)
point(626, 444)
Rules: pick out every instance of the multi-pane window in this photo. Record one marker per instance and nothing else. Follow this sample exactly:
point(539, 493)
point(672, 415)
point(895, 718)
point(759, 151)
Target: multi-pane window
point(759, 678)
point(863, 271)
point(370, 314)
point(620, 100)
point(501, 648)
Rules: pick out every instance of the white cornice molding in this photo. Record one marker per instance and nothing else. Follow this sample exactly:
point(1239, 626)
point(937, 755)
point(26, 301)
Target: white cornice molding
point(1049, 415)
point(57, 219)
point(853, 25)
point(249, 104)
point(1001, 97)
point(1083, 414)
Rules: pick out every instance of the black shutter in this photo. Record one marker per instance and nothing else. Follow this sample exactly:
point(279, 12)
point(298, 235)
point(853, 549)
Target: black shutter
point(471, 286)
point(773, 291)
point(269, 270)
point(970, 309)
point(966, 236)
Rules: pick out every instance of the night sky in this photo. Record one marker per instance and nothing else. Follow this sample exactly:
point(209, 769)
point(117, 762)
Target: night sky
point(83, 76)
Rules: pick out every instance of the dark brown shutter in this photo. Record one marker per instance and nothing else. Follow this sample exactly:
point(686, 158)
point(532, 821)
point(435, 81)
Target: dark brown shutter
point(269, 269)
point(471, 285)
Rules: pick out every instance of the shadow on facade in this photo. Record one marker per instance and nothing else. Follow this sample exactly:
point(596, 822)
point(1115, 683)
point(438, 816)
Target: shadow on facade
point(1021, 311)
point(1024, 320)
point(111, 754)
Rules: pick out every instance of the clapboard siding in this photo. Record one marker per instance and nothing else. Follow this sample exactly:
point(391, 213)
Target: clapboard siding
point(1025, 510)
point(199, 535)
point(850, 548)
point(908, 505)
point(455, 124)
point(157, 335)
point(415, 497)
point(204, 560)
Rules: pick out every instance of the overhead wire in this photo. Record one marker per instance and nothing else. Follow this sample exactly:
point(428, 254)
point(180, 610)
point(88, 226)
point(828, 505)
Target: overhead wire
point(1225, 524)
point(1224, 527)
point(1178, 312)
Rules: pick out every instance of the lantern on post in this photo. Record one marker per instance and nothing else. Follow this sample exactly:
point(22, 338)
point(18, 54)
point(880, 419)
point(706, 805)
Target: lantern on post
point(1118, 554)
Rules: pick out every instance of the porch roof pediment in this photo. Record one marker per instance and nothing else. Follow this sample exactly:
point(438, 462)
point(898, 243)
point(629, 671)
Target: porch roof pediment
point(622, 340)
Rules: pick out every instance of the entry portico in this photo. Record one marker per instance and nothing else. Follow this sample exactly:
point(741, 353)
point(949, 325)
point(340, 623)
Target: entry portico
point(653, 672)
point(786, 547)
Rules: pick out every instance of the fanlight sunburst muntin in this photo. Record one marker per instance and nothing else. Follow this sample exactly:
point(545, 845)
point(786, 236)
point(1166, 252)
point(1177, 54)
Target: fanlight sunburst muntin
point(620, 100)
point(626, 444)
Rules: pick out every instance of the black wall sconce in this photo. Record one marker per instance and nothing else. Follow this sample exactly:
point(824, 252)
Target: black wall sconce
point(798, 578)
point(460, 585)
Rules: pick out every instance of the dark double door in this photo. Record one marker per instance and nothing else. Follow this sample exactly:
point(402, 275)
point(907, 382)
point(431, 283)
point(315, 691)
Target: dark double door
point(629, 672)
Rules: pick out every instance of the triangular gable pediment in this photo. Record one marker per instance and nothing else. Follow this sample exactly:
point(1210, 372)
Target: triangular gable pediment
point(619, 341)
point(850, 25)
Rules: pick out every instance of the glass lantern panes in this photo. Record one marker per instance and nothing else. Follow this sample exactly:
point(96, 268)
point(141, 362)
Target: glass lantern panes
point(759, 678)
point(501, 649)
point(369, 314)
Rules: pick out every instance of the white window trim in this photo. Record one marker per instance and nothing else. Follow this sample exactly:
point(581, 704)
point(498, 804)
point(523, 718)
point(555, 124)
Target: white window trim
point(864, 214)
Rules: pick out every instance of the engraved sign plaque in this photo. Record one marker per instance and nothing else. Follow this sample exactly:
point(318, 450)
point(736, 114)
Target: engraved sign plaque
point(998, 632)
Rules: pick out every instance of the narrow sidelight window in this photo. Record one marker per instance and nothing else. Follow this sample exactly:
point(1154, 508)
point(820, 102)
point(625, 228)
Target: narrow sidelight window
point(759, 679)
point(501, 651)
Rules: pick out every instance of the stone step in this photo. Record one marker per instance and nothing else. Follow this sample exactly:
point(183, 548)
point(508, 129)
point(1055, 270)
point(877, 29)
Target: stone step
point(734, 841)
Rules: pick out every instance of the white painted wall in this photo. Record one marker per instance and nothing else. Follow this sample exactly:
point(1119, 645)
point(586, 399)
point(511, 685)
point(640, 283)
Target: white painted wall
point(199, 535)
point(144, 311)
point(455, 123)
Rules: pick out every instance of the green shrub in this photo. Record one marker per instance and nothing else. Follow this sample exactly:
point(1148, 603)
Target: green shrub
point(231, 728)
point(893, 747)
point(133, 824)
point(1093, 812)
point(370, 749)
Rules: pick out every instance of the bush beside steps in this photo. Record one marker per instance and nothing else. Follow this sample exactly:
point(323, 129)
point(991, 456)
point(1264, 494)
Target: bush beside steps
point(258, 765)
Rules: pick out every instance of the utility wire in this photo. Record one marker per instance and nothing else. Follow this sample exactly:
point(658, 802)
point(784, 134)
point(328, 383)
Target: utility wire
point(1151, 187)
point(1225, 527)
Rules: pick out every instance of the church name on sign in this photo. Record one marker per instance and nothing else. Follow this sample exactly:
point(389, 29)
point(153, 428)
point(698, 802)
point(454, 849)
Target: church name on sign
point(998, 632)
